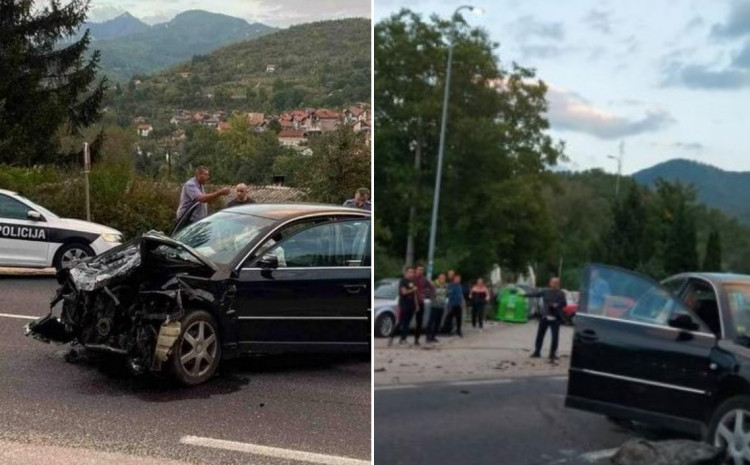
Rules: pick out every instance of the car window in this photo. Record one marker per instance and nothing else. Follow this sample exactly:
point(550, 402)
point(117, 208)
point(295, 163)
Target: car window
point(388, 291)
point(700, 297)
point(313, 247)
point(13, 209)
point(738, 296)
point(223, 235)
point(285, 232)
point(627, 296)
point(355, 241)
point(673, 285)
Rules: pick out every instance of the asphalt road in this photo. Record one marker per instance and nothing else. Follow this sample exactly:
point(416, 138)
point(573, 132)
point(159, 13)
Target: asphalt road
point(297, 405)
point(510, 421)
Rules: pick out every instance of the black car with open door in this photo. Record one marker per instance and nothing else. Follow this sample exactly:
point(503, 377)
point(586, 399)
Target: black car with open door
point(248, 279)
point(677, 357)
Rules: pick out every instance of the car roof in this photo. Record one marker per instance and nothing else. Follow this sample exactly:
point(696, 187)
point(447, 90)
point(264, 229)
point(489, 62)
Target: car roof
point(7, 192)
point(283, 211)
point(719, 278)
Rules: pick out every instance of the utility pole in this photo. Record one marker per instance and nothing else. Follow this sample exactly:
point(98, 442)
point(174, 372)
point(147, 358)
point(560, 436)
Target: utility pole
point(86, 169)
point(619, 167)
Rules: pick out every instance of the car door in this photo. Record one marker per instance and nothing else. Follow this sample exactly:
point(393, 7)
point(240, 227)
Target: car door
point(310, 299)
point(23, 240)
point(638, 365)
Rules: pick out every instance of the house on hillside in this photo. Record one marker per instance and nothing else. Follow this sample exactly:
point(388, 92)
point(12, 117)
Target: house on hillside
point(185, 74)
point(324, 119)
point(270, 68)
point(256, 120)
point(144, 130)
point(354, 114)
point(292, 137)
point(223, 126)
point(361, 127)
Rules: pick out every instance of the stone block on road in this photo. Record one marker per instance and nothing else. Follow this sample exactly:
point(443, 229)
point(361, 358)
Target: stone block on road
point(674, 452)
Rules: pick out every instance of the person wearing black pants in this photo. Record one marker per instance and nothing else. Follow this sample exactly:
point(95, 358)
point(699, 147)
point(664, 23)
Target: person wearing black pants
point(455, 304)
point(554, 303)
point(425, 290)
point(407, 302)
point(479, 295)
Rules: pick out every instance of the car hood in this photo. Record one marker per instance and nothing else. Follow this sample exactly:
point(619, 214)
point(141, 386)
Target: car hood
point(125, 261)
point(85, 226)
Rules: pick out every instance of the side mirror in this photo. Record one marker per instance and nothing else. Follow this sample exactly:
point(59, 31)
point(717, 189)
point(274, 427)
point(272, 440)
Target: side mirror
point(683, 321)
point(34, 215)
point(269, 262)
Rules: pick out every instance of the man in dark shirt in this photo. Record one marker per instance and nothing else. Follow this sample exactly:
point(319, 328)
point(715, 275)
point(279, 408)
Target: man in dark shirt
point(425, 290)
point(241, 197)
point(554, 304)
point(407, 301)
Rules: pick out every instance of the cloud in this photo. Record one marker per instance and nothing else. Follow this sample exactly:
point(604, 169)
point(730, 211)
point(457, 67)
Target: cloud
point(571, 112)
point(692, 147)
point(527, 27)
point(705, 77)
point(599, 20)
point(544, 51)
point(738, 23)
point(742, 58)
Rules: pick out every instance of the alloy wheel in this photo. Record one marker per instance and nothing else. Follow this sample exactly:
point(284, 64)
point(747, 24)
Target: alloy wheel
point(73, 256)
point(198, 348)
point(733, 434)
point(386, 326)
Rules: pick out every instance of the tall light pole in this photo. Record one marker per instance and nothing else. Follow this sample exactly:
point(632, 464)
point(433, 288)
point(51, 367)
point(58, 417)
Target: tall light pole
point(441, 147)
point(619, 168)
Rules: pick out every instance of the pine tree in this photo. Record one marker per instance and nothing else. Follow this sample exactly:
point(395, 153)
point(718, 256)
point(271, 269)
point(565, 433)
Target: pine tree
point(712, 260)
point(680, 249)
point(47, 87)
point(625, 240)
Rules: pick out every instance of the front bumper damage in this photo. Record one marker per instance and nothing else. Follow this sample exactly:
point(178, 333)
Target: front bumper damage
point(121, 303)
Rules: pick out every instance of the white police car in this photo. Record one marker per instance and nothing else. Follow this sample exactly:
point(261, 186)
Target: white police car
point(32, 236)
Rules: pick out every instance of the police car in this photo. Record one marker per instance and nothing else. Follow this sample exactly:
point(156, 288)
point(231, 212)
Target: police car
point(32, 236)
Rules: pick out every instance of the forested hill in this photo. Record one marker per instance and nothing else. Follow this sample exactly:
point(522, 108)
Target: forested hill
point(129, 46)
point(322, 64)
point(727, 191)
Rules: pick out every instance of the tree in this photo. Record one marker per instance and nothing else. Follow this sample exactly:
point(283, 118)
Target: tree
point(497, 147)
point(624, 243)
point(43, 86)
point(712, 259)
point(340, 164)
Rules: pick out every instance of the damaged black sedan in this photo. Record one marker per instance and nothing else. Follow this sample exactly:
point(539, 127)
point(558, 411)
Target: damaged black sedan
point(249, 279)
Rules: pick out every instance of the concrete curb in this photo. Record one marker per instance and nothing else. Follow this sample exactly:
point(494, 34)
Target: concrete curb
point(9, 271)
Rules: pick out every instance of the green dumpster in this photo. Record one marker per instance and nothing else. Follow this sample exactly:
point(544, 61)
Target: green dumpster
point(512, 306)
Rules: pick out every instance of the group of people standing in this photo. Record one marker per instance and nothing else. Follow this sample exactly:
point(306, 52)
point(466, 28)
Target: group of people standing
point(446, 294)
point(193, 192)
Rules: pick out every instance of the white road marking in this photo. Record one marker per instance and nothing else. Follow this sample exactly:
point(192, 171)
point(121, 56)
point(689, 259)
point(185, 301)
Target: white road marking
point(595, 456)
point(20, 317)
point(395, 387)
point(480, 382)
point(285, 454)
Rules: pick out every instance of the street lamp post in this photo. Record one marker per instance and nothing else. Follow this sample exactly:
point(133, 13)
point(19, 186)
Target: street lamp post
point(619, 168)
point(441, 147)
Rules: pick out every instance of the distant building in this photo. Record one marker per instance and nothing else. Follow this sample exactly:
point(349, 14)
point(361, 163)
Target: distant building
point(144, 130)
point(270, 68)
point(292, 137)
point(223, 126)
point(185, 74)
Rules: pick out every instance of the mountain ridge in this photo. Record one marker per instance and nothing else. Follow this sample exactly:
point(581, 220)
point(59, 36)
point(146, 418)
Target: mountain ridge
point(724, 190)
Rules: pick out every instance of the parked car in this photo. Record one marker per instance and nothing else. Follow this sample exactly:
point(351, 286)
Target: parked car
point(387, 315)
point(33, 237)
point(248, 279)
point(678, 358)
point(570, 310)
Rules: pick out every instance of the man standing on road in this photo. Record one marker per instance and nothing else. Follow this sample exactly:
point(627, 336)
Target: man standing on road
point(361, 199)
point(439, 300)
point(192, 193)
point(554, 303)
point(242, 197)
point(425, 291)
point(407, 302)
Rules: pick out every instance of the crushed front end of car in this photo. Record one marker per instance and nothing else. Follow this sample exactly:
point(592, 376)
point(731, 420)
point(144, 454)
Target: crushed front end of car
point(128, 301)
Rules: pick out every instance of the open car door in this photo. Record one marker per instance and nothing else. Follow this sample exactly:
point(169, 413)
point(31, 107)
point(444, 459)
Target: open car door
point(183, 219)
point(649, 361)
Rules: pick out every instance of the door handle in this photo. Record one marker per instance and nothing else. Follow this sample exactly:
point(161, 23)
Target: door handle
point(588, 335)
point(354, 288)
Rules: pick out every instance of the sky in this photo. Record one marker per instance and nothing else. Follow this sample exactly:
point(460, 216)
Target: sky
point(658, 79)
point(279, 13)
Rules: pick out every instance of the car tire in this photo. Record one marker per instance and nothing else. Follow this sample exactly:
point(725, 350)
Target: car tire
point(71, 251)
point(385, 325)
point(721, 428)
point(196, 353)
